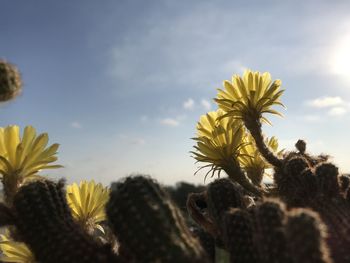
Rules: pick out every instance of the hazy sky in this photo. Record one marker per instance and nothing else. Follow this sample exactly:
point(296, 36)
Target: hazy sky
point(121, 84)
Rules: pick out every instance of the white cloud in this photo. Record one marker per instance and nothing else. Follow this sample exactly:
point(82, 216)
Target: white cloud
point(337, 111)
point(325, 102)
point(335, 106)
point(206, 104)
point(170, 122)
point(188, 104)
point(76, 125)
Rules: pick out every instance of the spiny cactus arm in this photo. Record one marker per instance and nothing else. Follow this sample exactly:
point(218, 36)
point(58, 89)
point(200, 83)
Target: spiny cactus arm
point(238, 236)
point(269, 219)
point(301, 146)
point(306, 237)
point(334, 214)
point(295, 181)
point(194, 210)
point(223, 194)
point(46, 225)
point(208, 208)
point(327, 175)
point(254, 127)
point(10, 81)
point(146, 222)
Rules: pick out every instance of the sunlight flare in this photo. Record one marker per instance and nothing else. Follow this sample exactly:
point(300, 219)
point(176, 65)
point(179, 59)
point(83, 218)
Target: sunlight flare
point(340, 59)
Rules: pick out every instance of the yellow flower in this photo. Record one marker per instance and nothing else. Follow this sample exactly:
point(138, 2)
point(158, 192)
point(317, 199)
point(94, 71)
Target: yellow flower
point(249, 97)
point(15, 251)
point(253, 162)
point(87, 202)
point(219, 141)
point(22, 158)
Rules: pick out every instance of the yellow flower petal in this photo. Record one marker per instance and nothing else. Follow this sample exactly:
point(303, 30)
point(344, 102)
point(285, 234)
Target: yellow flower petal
point(11, 140)
point(14, 251)
point(219, 140)
point(250, 96)
point(87, 202)
point(22, 158)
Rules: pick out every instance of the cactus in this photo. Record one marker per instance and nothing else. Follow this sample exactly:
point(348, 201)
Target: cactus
point(306, 237)
point(268, 233)
point(44, 222)
point(148, 225)
point(327, 174)
point(269, 218)
point(222, 195)
point(10, 81)
point(238, 236)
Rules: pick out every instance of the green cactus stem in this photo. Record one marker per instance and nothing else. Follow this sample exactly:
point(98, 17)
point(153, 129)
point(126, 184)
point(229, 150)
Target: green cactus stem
point(236, 174)
point(254, 126)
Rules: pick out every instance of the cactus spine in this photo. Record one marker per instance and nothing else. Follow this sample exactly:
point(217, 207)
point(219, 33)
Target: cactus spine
point(148, 225)
point(10, 81)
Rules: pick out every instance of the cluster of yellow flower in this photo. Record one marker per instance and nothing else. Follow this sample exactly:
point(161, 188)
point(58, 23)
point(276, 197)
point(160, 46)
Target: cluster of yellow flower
point(21, 160)
point(230, 138)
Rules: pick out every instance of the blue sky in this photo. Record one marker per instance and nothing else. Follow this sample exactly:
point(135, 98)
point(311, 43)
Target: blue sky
point(121, 84)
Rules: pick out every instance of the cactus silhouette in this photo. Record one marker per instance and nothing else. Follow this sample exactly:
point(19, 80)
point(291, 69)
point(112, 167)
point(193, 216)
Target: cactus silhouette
point(223, 194)
point(313, 182)
point(238, 236)
point(265, 232)
point(148, 225)
point(306, 237)
point(10, 81)
point(44, 222)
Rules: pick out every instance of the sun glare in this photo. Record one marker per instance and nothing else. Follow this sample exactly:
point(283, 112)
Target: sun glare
point(340, 60)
